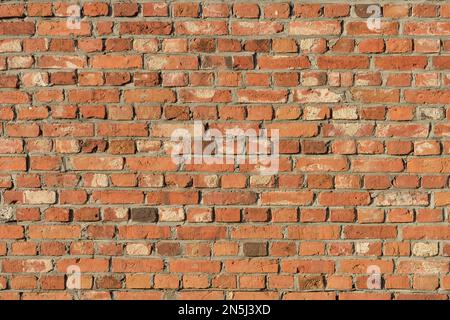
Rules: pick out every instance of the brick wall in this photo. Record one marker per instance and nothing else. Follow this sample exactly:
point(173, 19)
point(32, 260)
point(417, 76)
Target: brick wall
point(88, 179)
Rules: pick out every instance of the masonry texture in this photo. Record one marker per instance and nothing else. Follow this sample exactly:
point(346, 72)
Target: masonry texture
point(87, 177)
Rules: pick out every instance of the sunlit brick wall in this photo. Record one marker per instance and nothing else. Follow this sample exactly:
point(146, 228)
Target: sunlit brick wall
point(94, 204)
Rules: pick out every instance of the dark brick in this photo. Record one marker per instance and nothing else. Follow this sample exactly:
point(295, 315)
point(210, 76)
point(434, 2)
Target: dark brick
point(144, 214)
point(255, 249)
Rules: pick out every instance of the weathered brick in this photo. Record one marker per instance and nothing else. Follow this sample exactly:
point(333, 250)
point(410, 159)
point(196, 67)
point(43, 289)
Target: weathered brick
point(144, 214)
point(254, 249)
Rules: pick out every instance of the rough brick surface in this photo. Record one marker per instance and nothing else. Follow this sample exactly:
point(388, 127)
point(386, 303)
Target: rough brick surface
point(87, 178)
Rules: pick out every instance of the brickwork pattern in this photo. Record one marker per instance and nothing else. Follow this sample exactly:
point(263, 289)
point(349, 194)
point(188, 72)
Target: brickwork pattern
point(87, 178)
